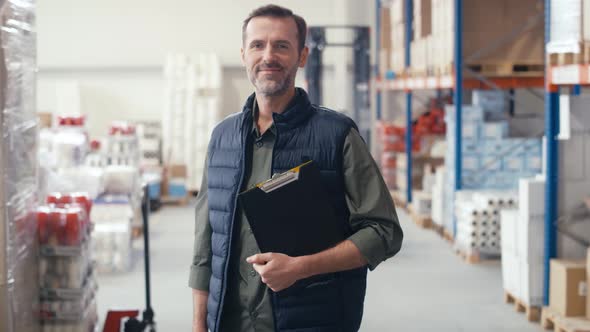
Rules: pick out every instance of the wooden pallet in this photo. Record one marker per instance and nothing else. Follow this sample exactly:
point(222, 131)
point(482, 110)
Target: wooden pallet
point(398, 199)
point(175, 200)
point(508, 69)
point(562, 59)
point(448, 236)
point(468, 257)
point(422, 221)
point(474, 256)
point(438, 229)
point(552, 320)
point(442, 70)
point(533, 313)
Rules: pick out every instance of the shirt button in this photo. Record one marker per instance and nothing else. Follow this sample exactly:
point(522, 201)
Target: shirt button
point(254, 314)
point(253, 273)
point(259, 144)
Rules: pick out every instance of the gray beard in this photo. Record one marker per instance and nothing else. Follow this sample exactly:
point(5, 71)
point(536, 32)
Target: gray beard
point(275, 88)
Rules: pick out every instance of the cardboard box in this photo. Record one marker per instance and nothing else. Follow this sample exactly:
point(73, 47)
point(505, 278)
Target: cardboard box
point(567, 287)
point(177, 171)
point(45, 120)
point(422, 18)
point(486, 21)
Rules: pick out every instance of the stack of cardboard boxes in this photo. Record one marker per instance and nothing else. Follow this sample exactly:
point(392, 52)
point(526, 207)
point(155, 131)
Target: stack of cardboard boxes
point(398, 36)
point(570, 32)
point(568, 289)
point(485, 23)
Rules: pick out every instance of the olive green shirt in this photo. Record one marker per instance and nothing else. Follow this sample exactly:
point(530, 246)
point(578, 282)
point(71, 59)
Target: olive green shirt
point(378, 235)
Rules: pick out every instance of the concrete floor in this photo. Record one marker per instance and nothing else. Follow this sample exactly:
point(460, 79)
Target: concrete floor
point(425, 288)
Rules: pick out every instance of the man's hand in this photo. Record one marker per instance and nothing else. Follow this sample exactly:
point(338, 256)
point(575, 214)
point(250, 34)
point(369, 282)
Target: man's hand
point(278, 271)
point(200, 310)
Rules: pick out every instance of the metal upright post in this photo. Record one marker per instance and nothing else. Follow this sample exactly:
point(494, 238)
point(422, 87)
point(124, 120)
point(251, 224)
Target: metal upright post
point(458, 98)
point(378, 59)
point(408, 14)
point(551, 131)
point(316, 37)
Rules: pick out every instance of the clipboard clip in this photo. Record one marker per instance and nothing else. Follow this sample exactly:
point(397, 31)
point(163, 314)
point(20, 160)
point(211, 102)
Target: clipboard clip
point(279, 180)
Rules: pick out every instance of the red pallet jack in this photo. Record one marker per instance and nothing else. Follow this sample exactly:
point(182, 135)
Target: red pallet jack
point(132, 323)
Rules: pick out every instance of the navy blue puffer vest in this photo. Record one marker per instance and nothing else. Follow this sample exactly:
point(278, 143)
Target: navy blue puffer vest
point(324, 303)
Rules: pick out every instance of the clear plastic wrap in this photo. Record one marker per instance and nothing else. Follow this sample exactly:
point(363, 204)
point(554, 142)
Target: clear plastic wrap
point(66, 272)
point(112, 217)
point(18, 166)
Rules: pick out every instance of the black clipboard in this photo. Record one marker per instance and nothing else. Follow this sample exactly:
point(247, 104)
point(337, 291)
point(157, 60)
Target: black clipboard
point(292, 214)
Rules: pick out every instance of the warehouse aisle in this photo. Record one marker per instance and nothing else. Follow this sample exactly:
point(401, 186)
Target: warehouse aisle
point(425, 288)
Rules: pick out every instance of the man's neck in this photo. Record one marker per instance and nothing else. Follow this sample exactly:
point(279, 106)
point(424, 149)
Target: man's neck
point(268, 105)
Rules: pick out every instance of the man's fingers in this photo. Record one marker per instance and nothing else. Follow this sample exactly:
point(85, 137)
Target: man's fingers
point(258, 268)
point(259, 258)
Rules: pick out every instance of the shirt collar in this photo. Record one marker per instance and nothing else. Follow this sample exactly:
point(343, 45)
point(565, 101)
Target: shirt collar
point(273, 128)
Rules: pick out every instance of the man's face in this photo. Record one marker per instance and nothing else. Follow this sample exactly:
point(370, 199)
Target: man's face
point(271, 54)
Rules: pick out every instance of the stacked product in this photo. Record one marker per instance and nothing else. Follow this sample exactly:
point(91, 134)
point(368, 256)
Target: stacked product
point(478, 220)
point(398, 36)
point(570, 32)
point(150, 144)
point(525, 49)
point(491, 159)
point(391, 139)
point(70, 141)
point(192, 109)
point(422, 166)
point(19, 293)
point(66, 278)
point(438, 192)
point(122, 145)
point(426, 132)
point(523, 247)
point(112, 216)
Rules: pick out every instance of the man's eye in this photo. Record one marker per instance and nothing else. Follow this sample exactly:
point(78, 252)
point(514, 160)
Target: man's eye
point(257, 45)
point(283, 46)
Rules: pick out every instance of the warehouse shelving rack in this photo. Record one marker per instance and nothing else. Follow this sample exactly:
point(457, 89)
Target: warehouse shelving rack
point(458, 83)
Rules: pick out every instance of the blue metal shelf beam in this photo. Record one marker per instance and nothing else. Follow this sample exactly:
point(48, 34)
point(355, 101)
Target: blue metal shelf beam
point(551, 131)
point(377, 57)
point(409, 15)
point(458, 98)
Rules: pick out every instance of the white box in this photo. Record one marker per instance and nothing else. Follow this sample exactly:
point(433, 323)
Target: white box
point(511, 274)
point(508, 229)
point(491, 163)
point(495, 130)
point(531, 238)
point(422, 202)
point(531, 282)
point(531, 197)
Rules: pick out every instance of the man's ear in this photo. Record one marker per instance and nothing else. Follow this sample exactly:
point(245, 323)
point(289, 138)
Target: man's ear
point(303, 57)
point(242, 56)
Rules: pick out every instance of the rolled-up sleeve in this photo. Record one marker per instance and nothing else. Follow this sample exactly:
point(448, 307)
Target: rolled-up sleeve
point(200, 269)
point(373, 219)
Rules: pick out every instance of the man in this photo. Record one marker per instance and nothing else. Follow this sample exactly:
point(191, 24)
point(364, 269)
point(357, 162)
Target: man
point(237, 288)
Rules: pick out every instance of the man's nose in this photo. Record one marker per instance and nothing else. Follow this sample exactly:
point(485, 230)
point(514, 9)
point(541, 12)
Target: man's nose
point(269, 54)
